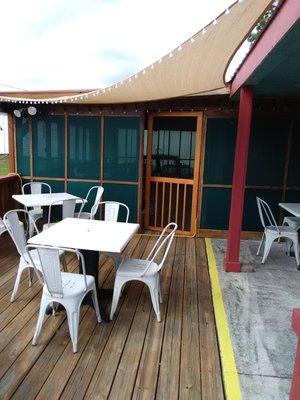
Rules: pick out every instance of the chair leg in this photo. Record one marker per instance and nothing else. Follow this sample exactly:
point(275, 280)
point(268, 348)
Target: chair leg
point(40, 321)
point(96, 304)
point(31, 229)
point(260, 244)
point(268, 244)
point(64, 262)
point(30, 276)
point(16, 285)
point(159, 289)
point(296, 249)
point(155, 302)
point(73, 322)
point(116, 296)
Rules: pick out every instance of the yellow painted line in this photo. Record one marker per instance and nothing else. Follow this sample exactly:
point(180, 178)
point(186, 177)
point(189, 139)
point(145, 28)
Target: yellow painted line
point(230, 374)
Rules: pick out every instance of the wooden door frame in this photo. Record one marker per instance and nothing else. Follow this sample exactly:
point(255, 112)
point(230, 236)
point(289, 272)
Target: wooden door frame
point(197, 159)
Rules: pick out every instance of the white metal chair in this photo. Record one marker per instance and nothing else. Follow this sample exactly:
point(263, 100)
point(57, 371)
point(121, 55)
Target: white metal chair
point(272, 231)
point(111, 210)
point(111, 214)
point(146, 271)
point(91, 215)
point(68, 210)
point(65, 288)
point(35, 212)
point(16, 230)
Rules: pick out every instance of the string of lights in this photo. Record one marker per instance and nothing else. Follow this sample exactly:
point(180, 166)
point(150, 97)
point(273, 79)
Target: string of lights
point(94, 93)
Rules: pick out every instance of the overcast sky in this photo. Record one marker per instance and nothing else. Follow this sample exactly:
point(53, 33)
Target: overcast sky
point(68, 44)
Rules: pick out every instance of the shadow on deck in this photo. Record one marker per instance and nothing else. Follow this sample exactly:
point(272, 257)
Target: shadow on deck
point(134, 356)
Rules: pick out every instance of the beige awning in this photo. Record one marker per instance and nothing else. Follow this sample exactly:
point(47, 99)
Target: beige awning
point(197, 67)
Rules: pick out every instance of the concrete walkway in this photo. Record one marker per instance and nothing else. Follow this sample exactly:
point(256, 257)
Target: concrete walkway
point(259, 306)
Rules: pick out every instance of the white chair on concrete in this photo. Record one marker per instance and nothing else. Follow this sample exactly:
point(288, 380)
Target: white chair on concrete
point(35, 188)
point(272, 231)
point(17, 232)
point(111, 214)
point(68, 210)
point(91, 215)
point(146, 271)
point(65, 288)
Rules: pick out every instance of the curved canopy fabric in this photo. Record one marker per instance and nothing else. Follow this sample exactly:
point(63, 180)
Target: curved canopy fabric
point(196, 67)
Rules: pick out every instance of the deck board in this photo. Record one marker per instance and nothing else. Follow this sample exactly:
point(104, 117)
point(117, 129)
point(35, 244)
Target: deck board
point(133, 356)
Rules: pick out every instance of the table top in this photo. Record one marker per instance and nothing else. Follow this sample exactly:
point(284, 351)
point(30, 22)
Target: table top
point(43, 199)
point(293, 208)
point(87, 234)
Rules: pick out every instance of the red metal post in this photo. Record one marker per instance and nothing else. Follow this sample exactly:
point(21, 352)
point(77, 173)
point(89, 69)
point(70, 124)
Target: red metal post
point(232, 260)
point(295, 388)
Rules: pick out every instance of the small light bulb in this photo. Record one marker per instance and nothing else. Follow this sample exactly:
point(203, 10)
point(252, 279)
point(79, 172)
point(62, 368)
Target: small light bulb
point(215, 22)
point(192, 40)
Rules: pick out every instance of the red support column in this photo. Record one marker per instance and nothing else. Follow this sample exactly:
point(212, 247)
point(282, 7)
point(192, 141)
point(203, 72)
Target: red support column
point(232, 260)
point(295, 388)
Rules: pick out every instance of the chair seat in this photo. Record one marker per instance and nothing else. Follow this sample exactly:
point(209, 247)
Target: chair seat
point(83, 215)
point(46, 226)
point(293, 222)
point(73, 284)
point(135, 267)
point(283, 229)
point(35, 258)
point(36, 213)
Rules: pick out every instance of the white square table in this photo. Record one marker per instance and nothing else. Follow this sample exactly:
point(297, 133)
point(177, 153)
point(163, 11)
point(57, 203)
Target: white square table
point(293, 208)
point(90, 237)
point(43, 199)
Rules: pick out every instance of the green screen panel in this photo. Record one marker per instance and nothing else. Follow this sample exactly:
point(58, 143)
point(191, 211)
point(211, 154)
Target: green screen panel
point(251, 221)
point(294, 164)
point(84, 147)
point(80, 189)
point(292, 196)
point(219, 150)
point(215, 208)
point(268, 143)
point(22, 146)
point(121, 148)
point(48, 146)
point(127, 194)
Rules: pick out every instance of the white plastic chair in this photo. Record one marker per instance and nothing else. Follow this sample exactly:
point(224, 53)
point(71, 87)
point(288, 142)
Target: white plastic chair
point(146, 271)
point(111, 214)
point(68, 210)
point(35, 212)
point(65, 288)
point(91, 215)
point(16, 230)
point(272, 231)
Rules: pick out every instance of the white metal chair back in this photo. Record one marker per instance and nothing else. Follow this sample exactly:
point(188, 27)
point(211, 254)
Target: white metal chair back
point(111, 210)
point(99, 192)
point(17, 231)
point(68, 208)
point(265, 214)
point(160, 243)
point(36, 187)
point(50, 266)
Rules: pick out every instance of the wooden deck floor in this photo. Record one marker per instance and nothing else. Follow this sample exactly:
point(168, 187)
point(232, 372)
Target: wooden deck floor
point(134, 356)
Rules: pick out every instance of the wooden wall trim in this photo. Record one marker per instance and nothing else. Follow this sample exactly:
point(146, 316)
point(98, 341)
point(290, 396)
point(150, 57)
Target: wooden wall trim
point(11, 144)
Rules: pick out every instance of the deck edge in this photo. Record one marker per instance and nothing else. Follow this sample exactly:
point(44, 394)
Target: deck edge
point(228, 364)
